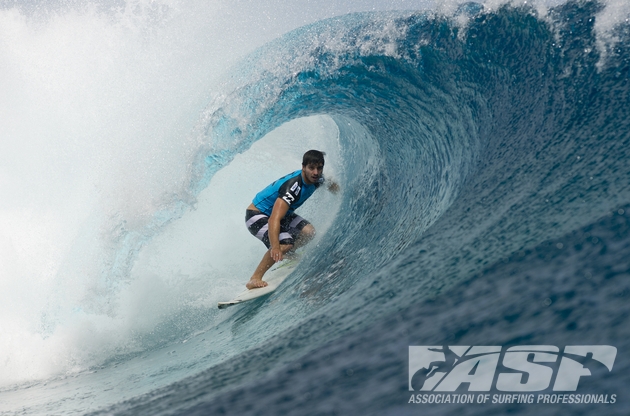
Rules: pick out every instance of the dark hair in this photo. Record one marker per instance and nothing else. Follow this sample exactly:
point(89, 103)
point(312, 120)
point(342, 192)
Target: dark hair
point(313, 157)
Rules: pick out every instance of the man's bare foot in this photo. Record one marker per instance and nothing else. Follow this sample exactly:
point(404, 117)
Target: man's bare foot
point(253, 284)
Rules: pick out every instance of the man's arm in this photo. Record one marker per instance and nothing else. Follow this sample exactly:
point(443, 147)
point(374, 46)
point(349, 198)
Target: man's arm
point(279, 210)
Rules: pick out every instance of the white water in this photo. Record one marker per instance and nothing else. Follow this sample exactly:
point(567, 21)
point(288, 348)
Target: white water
point(96, 109)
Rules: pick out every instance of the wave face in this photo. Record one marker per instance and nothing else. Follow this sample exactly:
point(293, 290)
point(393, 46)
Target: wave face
point(484, 163)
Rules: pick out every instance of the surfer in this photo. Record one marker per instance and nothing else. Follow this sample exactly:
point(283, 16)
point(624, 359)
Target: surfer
point(271, 219)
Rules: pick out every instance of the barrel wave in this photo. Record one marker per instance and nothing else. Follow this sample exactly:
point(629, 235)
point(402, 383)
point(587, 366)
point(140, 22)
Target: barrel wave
point(484, 163)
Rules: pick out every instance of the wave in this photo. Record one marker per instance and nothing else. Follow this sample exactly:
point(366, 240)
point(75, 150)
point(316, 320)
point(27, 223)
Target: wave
point(466, 141)
point(437, 120)
point(459, 147)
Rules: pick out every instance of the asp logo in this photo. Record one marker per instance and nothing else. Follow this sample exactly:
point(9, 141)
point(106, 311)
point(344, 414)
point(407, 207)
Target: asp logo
point(528, 367)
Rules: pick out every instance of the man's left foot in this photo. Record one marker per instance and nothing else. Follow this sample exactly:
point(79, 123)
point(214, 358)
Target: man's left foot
point(255, 284)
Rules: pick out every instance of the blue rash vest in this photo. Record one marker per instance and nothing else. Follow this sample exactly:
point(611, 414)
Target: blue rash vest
point(291, 188)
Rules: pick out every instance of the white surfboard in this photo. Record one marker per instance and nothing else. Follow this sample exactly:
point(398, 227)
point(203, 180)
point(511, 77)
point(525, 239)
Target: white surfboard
point(273, 277)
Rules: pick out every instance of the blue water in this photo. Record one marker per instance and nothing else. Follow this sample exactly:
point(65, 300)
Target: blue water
point(486, 198)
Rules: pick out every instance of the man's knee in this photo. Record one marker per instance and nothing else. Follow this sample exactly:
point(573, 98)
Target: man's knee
point(285, 248)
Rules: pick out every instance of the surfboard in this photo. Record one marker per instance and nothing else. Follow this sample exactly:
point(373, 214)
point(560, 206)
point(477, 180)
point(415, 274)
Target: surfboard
point(273, 277)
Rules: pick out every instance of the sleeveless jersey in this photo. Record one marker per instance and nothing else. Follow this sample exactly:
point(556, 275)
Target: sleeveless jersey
point(291, 188)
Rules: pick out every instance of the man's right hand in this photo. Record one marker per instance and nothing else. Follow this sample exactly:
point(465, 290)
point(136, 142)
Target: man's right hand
point(276, 254)
point(279, 210)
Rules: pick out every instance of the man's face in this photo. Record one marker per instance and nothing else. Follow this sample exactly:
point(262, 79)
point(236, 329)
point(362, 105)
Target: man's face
point(312, 172)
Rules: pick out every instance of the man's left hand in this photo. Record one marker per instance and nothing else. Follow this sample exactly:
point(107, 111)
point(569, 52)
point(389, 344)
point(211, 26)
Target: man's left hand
point(333, 187)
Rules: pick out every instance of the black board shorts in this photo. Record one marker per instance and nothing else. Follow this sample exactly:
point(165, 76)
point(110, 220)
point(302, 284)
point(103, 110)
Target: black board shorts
point(290, 227)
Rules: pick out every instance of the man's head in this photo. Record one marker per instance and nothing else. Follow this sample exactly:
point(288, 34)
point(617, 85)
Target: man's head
point(313, 156)
point(312, 166)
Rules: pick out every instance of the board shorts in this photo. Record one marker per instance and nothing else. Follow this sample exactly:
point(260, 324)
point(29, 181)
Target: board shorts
point(290, 227)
